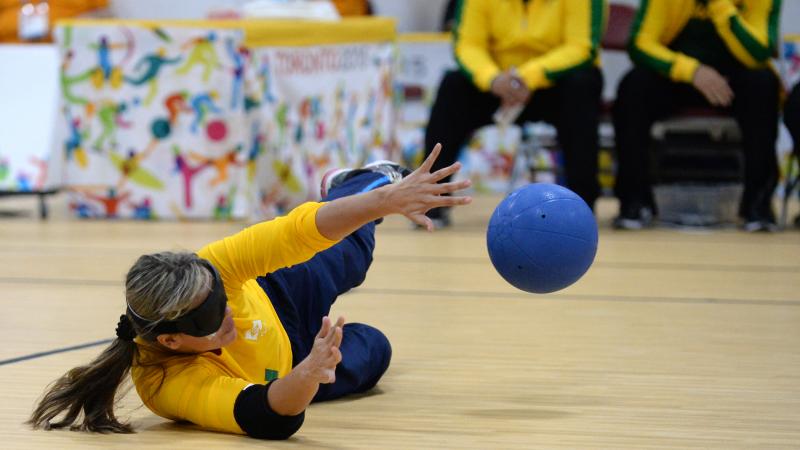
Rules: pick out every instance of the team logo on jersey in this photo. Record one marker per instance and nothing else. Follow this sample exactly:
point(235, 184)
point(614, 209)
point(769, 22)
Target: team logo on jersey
point(257, 330)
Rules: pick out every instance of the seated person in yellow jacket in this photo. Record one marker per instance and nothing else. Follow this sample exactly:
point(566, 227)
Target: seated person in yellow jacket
point(700, 53)
point(541, 55)
point(236, 338)
point(59, 9)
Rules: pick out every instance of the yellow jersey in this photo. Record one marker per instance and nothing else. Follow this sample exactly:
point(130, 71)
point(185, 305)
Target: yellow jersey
point(749, 29)
point(202, 388)
point(542, 39)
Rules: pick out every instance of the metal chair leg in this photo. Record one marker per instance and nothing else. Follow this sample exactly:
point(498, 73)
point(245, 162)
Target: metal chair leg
point(42, 206)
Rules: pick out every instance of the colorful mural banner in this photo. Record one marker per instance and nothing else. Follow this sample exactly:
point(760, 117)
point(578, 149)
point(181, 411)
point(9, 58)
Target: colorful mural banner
point(174, 122)
point(152, 123)
point(316, 108)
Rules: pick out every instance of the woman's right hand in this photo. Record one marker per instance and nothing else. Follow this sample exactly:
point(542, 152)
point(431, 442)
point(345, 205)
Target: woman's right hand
point(320, 364)
point(412, 197)
point(421, 191)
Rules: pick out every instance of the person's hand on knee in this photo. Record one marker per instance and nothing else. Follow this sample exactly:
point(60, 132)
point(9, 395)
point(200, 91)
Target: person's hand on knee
point(713, 86)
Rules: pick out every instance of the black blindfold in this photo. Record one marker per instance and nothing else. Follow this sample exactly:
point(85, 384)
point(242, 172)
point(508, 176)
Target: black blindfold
point(201, 321)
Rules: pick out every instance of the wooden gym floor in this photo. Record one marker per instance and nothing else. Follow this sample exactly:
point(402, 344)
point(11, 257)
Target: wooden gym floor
point(674, 339)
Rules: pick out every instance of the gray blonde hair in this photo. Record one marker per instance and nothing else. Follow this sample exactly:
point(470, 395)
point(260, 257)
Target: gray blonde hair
point(161, 286)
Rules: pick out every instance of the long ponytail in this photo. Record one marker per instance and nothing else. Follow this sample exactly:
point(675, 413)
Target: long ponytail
point(88, 393)
point(158, 286)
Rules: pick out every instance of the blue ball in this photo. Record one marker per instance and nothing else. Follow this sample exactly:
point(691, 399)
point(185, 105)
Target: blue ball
point(542, 238)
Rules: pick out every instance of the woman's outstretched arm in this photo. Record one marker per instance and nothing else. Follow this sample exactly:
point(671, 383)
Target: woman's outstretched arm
point(411, 197)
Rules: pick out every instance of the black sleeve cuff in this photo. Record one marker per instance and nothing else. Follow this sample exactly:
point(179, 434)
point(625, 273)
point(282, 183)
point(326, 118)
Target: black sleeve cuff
point(254, 415)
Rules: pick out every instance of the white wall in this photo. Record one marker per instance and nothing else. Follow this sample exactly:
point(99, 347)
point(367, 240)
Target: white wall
point(413, 15)
point(790, 17)
point(29, 93)
point(168, 9)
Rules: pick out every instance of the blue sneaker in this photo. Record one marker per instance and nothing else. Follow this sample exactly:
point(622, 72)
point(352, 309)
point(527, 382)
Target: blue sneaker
point(334, 177)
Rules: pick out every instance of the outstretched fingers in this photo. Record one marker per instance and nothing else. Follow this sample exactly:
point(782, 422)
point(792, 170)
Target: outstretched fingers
point(445, 200)
point(428, 163)
point(453, 186)
point(443, 173)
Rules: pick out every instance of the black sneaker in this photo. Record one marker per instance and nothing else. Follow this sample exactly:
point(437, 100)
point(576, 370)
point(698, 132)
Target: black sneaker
point(634, 217)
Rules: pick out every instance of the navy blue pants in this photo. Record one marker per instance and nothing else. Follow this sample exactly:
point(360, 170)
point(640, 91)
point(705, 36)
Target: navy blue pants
point(303, 295)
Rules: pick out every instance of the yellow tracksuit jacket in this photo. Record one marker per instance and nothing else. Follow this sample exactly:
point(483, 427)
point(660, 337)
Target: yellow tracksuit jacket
point(749, 29)
point(542, 39)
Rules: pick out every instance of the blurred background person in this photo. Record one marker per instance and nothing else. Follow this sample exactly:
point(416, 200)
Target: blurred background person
point(700, 53)
point(527, 61)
